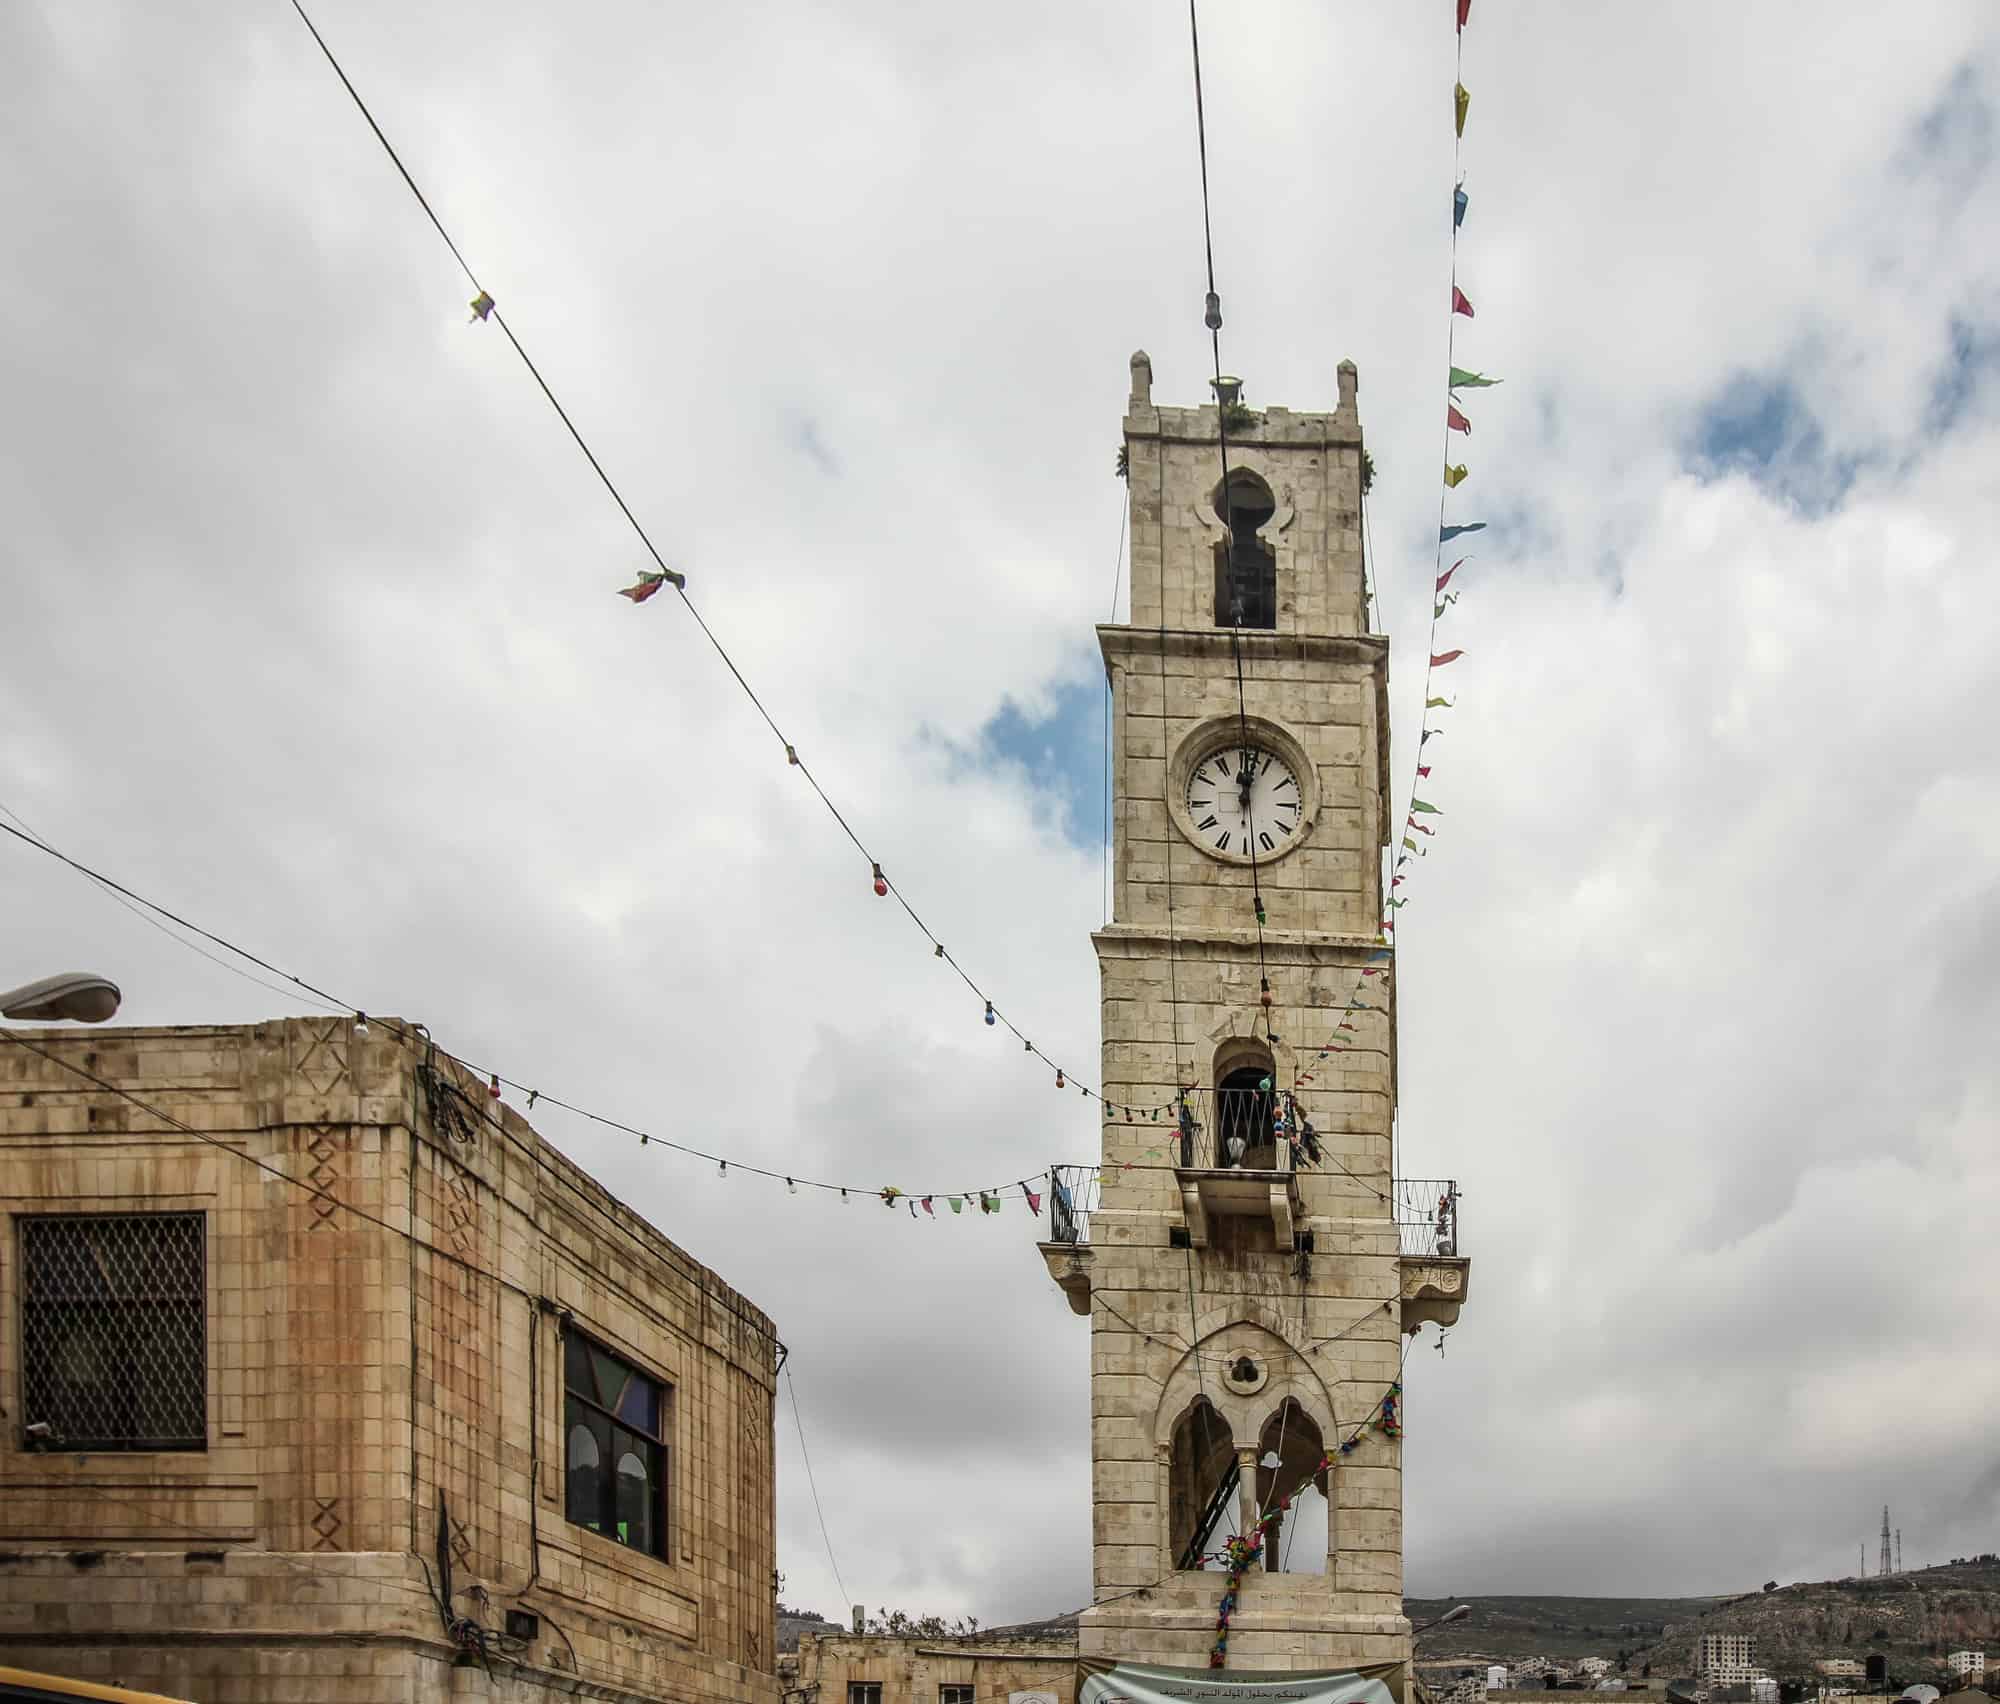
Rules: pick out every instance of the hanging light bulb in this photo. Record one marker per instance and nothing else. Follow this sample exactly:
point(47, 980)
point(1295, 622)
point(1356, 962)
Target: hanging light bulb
point(990, 1019)
point(1027, 1046)
point(360, 1023)
point(1265, 996)
point(493, 1086)
point(791, 1188)
point(1059, 1077)
point(721, 1168)
point(881, 883)
point(843, 1196)
point(1259, 902)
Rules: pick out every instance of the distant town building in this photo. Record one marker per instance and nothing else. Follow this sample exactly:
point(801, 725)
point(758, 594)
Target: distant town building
point(1969, 1664)
point(1008, 1663)
point(1593, 1668)
point(1726, 1659)
point(1841, 1668)
point(1496, 1678)
point(1763, 1691)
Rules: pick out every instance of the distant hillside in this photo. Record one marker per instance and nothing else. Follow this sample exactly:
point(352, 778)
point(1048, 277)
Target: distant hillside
point(1912, 1618)
point(1503, 1628)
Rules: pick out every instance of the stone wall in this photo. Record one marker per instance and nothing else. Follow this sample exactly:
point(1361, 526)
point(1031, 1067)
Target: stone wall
point(366, 1370)
point(915, 1670)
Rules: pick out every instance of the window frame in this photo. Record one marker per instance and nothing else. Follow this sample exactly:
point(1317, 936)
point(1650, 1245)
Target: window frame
point(864, 1692)
point(605, 1431)
point(957, 1692)
point(28, 1326)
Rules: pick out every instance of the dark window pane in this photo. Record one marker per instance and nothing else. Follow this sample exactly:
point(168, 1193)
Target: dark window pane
point(583, 1468)
point(635, 1499)
point(611, 1376)
point(576, 1364)
point(640, 1405)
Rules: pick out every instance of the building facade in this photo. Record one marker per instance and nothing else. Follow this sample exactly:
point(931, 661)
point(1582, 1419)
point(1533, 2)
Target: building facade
point(326, 1378)
point(1242, 1266)
point(1970, 1665)
point(1000, 1667)
point(1726, 1659)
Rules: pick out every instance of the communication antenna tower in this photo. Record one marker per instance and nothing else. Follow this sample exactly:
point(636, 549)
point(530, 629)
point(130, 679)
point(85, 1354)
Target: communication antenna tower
point(1885, 1567)
point(1899, 1550)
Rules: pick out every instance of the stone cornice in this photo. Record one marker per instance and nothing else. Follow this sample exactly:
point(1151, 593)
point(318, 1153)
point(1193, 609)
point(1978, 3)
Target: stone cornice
point(1288, 946)
point(1259, 645)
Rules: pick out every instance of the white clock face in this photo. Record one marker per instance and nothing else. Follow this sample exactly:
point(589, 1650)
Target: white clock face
point(1244, 800)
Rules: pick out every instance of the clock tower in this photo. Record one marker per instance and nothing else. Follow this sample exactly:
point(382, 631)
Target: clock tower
point(1249, 1263)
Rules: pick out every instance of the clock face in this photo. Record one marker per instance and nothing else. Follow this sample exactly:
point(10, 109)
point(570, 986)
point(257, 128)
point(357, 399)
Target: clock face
point(1244, 800)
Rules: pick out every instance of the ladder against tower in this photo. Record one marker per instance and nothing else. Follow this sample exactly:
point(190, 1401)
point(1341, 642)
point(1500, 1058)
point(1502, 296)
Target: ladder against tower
point(1248, 1304)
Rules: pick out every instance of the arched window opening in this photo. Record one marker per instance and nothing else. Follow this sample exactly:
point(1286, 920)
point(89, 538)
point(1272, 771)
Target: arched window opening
point(1202, 1481)
point(1246, 1106)
point(1288, 1456)
point(1246, 568)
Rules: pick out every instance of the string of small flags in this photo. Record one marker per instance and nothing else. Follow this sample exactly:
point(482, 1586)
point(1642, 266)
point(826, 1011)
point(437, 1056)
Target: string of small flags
point(650, 581)
point(1244, 1547)
point(1420, 819)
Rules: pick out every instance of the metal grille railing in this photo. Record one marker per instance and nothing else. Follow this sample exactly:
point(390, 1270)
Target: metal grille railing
point(1427, 1215)
point(1073, 1192)
point(1224, 1128)
point(114, 1331)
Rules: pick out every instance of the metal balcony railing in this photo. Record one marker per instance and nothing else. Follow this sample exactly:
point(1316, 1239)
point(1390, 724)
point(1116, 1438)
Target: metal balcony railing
point(1246, 1129)
point(1073, 1192)
point(1427, 1215)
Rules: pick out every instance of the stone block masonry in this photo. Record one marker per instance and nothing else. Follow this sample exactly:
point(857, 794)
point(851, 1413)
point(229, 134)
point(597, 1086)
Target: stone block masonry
point(339, 1383)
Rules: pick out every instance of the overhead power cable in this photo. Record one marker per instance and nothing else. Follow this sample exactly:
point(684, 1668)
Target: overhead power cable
point(485, 307)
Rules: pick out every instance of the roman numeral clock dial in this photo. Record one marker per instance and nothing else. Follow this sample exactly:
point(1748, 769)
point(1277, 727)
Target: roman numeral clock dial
point(1244, 801)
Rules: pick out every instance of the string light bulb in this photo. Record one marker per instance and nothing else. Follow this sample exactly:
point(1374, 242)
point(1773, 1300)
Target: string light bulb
point(881, 883)
point(1059, 1077)
point(493, 1086)
point(721, 1168)
point(791, 1187)
point(360, 1023)
point(990, 1018)
point(1258, 901)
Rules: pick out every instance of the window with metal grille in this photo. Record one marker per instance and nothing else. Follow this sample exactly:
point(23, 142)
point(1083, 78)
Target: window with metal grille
point(114, 1330)
point(954, 1695)
point(615, 1460)
point(864, 1692)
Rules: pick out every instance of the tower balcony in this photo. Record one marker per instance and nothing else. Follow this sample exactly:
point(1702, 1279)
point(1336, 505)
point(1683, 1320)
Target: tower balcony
point(1435, 1275)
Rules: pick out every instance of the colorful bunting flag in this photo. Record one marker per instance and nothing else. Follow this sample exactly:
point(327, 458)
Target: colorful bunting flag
point(1034, 1200)
point(647, 586)
point(1419, 805)
point(1447, 534)
point(1462, 380)
point(1464, 12)
point(1455, 421)
point(928, 1208)
point(1461, 104)
point(482, 305)
point(954, 1202)
point(1439, 703)
point(1424, 771)
point(1440, 658)
point(1459, 203)
point(1459, 305)
point(1445, 577)
point(1454, 477)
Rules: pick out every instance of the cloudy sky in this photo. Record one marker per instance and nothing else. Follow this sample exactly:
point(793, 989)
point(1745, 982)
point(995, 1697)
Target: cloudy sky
point(308, 631)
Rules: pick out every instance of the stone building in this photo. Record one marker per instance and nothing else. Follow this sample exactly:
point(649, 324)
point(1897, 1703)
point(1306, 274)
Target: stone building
point(325, 1378)
point(1249, 1280)
point(1726, 1659)
point(1006, 1664)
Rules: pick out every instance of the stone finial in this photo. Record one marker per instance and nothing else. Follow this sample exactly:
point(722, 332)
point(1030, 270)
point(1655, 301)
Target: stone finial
point(1350, 376)
point(1142, 379)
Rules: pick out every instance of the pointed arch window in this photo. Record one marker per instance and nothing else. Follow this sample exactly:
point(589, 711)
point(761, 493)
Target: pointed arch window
point(1246, 568)
point(1203, 1476)
point(1289, 1450)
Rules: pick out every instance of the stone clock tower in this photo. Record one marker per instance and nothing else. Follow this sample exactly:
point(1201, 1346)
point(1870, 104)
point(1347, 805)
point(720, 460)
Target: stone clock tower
point(1248, 1306)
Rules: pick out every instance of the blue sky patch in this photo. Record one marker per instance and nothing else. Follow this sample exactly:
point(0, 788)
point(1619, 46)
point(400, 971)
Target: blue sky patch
point(1062, 754)
point(1762, 429)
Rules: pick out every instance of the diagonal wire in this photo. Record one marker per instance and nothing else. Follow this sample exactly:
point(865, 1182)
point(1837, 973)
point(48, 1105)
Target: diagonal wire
point(813, 1485)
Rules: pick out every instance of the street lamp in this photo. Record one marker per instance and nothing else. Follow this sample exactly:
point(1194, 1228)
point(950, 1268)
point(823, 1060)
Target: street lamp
point(77, 998)
point(1458, 1613)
